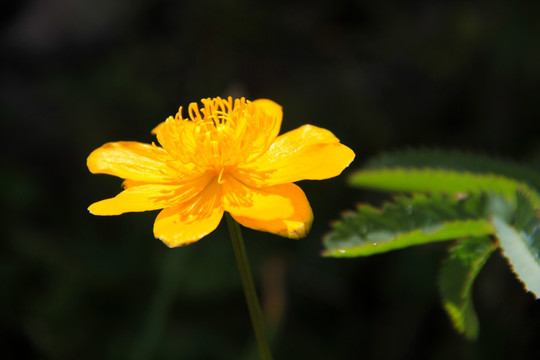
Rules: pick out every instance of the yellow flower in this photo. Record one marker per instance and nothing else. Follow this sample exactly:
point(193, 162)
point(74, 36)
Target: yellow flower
point(226, 157)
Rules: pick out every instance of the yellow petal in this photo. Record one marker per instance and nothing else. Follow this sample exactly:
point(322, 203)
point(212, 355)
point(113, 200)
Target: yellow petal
point(275, 111)
point(306, 153)
point(295, 226)
point(145, 197)
point(131, 160)
point(191, 220)
point(137, 198)
point(176, 136)
point(268, 203)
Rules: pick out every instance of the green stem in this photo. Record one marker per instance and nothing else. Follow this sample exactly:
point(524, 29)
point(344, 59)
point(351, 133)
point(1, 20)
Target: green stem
point(255, 312)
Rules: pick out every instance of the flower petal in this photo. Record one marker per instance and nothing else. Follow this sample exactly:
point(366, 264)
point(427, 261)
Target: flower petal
point(145, 197)
point(131, 160)
point(295, 226)
point(176, 136)
point(136, 198)
point(191, 220)
point(275, 111)
point(268, 203)
point(306, 153)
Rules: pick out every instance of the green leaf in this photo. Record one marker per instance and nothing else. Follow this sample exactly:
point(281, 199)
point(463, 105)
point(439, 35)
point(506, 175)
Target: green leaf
point(456, 278)
point(438, 181)
point(520, 243)
point(458, 161)
point(409, 221)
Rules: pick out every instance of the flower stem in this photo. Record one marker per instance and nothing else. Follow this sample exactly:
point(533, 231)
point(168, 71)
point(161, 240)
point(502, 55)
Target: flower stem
point(255, 312)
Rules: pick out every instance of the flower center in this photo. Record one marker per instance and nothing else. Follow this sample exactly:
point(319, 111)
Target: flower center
point(228, 133)
point(218, 136)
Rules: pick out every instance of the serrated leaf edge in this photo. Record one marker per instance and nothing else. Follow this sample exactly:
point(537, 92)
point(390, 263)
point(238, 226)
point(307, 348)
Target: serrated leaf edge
point(525, 277)
point(485, 225)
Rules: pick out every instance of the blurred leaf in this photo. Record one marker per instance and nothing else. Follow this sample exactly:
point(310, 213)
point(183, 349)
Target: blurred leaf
point(457, 277)
point(409, 221)
point(520, 243)
point(509, 210)
point(458, 161)
point(437, 181)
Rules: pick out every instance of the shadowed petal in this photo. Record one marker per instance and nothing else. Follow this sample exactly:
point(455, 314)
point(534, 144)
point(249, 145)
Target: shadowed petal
point(145, 197)
point(295, 226)
point(131, 160)
point(266, 203)
point(306, 153)
point(191, 220)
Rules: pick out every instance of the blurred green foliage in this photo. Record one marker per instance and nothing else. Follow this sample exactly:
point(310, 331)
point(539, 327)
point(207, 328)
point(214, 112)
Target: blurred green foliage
point(455, 196)
point(380, 75)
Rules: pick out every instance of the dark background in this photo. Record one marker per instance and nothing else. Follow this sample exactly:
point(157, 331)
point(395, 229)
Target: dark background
point(381, 75)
